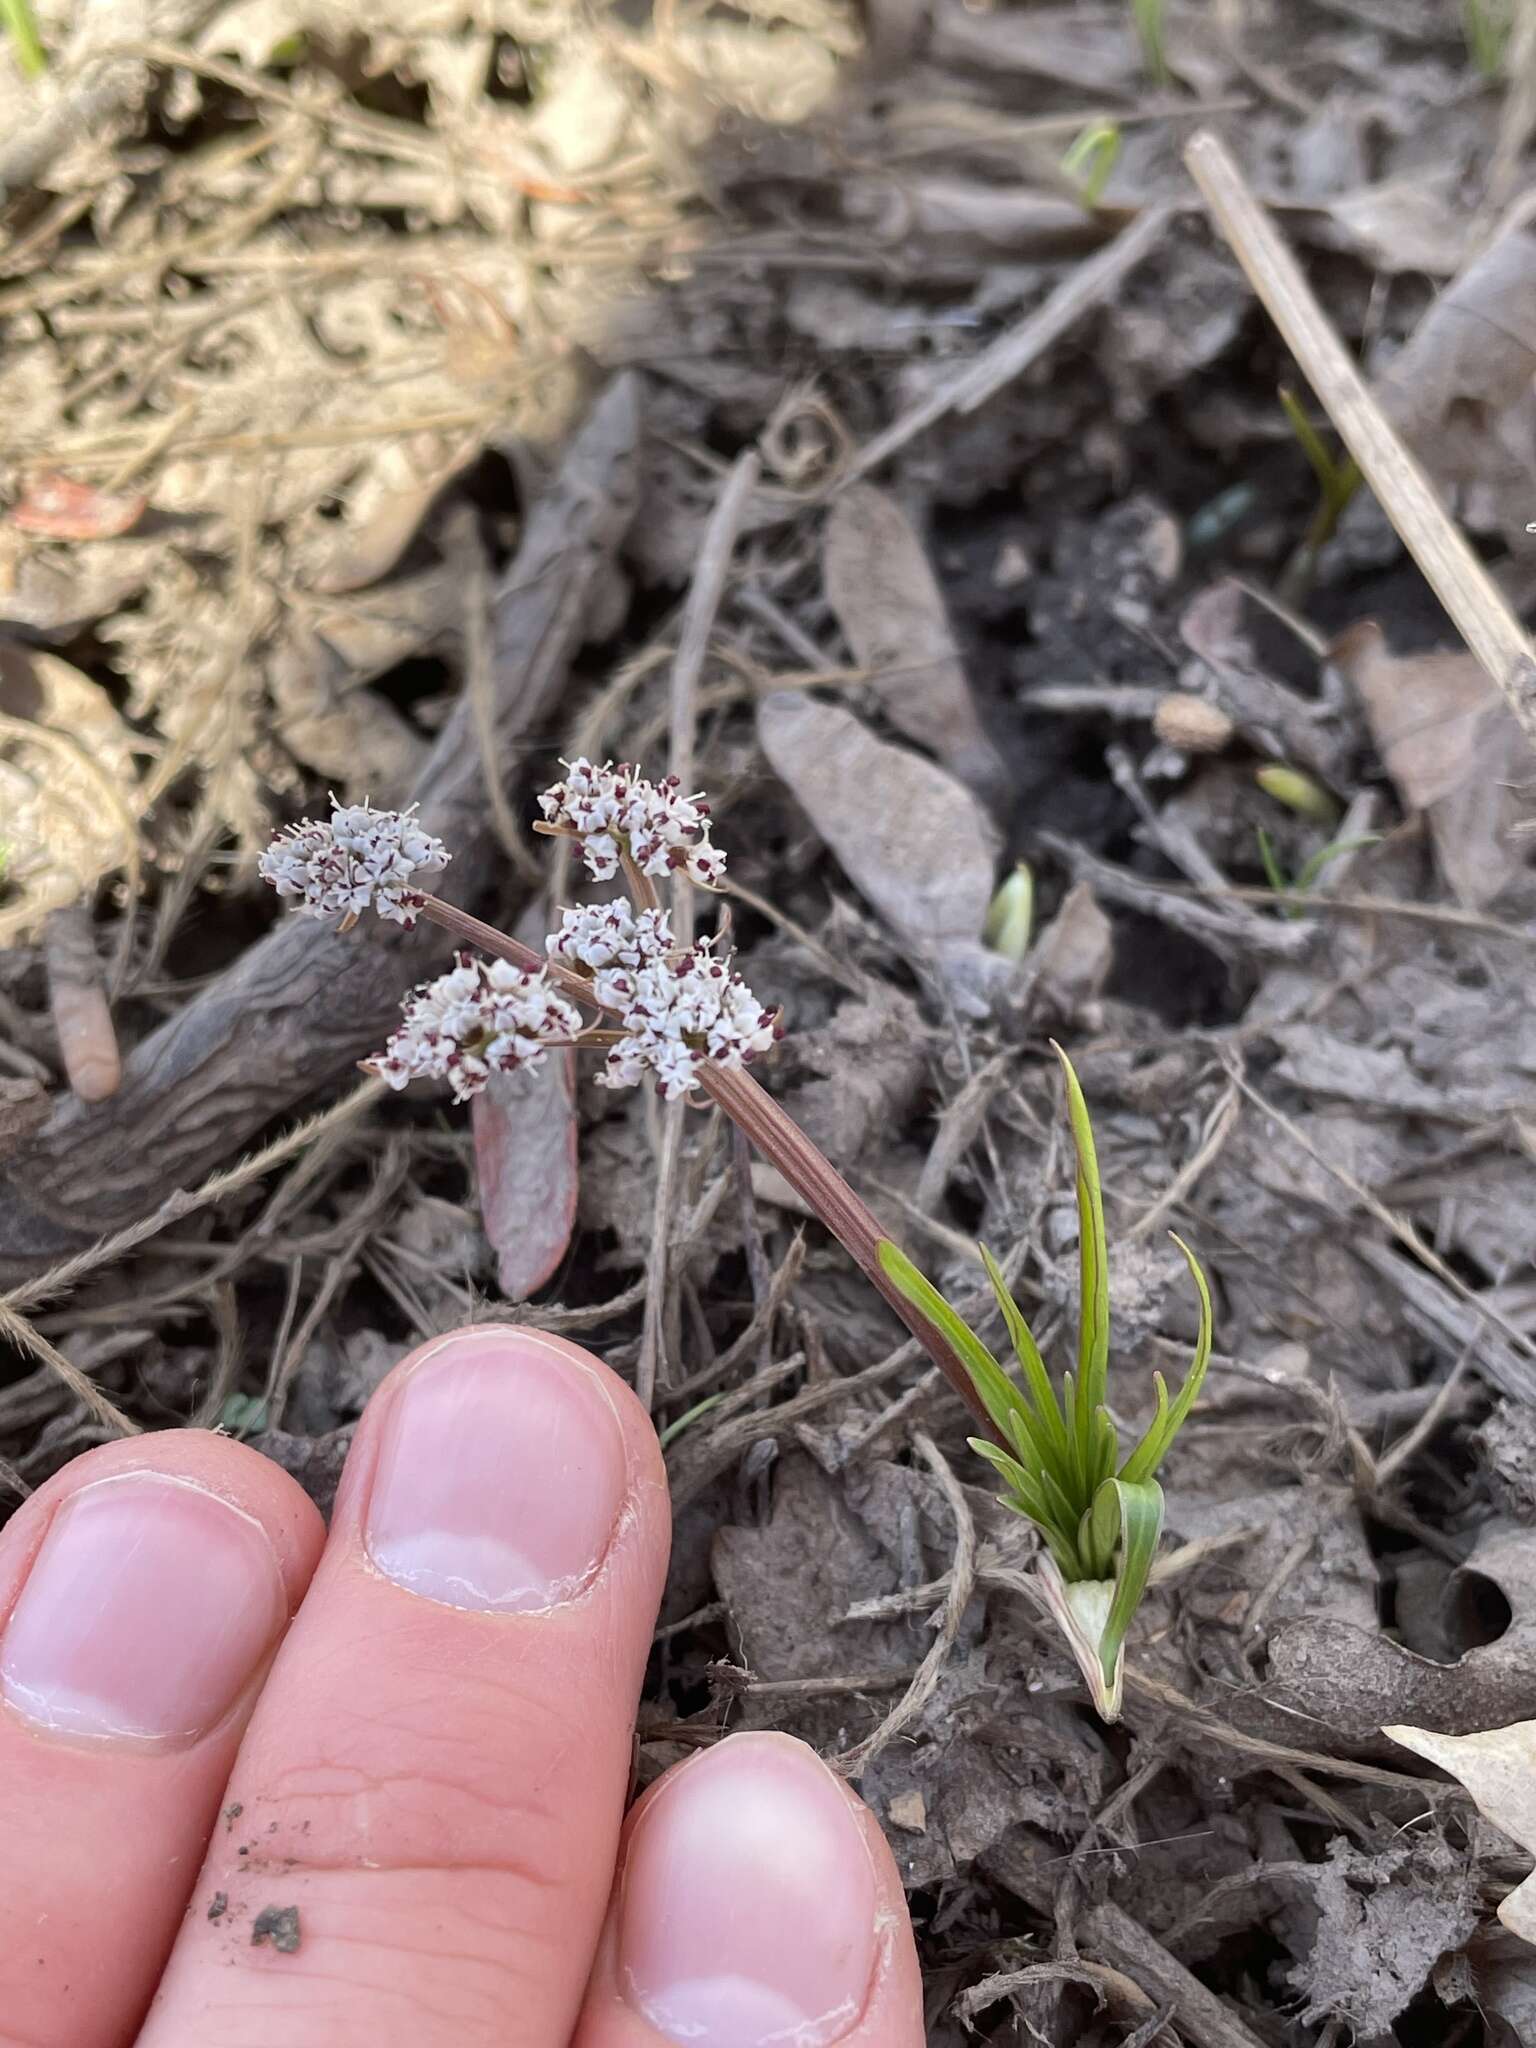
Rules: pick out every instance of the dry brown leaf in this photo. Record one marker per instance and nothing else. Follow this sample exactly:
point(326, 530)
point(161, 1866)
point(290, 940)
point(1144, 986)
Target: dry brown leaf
point(909, 836)
point(964, 216)
point(1462, 392)
point(1097, 56)
point(526, 1167)
point(1452, 747)
point(1406, 224)
point(888, 603)
point(68, 783)
point(1498, 1769)
point(1075, 952)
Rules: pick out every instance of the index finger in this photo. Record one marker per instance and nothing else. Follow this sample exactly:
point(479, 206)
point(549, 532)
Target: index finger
point(432, 1785)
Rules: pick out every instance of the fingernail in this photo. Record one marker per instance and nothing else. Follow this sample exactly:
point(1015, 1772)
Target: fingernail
point(748, 1907)
point(147, 1609)
point(500, 1476)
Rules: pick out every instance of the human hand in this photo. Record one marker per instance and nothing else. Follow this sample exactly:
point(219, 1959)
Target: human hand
point(397, 1819)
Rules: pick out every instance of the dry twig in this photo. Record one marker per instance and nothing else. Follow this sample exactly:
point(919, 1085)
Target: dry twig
point(1477, 606)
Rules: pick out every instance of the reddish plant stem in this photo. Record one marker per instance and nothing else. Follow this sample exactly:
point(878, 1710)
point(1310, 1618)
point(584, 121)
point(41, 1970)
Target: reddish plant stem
point(775, 1134)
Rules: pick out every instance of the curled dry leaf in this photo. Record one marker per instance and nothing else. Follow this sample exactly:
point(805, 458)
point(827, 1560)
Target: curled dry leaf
point(1075, 952)
point(67, 786)
point(526, 1168)
point(889, 605)
point(910, 837)
point(1452, 747)
point(1498, 1769)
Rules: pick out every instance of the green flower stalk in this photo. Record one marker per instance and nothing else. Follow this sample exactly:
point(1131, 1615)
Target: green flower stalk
point(1101, 1516)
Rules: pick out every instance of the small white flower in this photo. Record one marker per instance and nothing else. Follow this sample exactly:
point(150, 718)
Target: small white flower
point(613, 807)
point(610, 935)
point(362, 858)
point(478, 1019)
point(678, 1011)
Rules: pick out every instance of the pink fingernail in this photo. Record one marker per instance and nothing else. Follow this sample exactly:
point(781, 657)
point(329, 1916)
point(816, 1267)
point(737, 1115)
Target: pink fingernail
point(748, 1908)
point(500, 1478)
point(146, 1611)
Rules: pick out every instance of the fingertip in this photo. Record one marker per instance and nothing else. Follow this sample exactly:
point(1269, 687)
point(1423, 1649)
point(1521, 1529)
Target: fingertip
point(435, 1440)
point(757, 1902)
point(234, 1473)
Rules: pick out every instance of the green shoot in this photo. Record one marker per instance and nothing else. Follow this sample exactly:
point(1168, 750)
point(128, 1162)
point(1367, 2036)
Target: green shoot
point(243, 1415)
point(675, 1428)
point(1488, 26)
point(1297, 790)
point(1148, 17)
point(17, 17)
point(1289, 888)
point(1091, 159)
point(1337, 483)
point(1100, 1514)
point(1011, 915)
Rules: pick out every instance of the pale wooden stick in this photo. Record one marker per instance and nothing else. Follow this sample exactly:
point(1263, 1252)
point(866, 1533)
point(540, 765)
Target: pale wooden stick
point(1013, 351)
point(1471, 597)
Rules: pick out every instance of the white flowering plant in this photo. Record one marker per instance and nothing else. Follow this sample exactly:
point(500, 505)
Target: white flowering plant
point(680, 1015)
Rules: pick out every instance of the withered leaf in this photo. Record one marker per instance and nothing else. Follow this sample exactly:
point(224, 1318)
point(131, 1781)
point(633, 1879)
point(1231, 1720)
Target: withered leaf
point(1451, 745)
point(888, 603)
point(1498, 1768)
point(526, 1167)
point(1461, 391)
point(910, 837)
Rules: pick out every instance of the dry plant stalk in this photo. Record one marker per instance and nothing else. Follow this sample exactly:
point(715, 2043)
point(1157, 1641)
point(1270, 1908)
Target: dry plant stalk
point(1476, 605)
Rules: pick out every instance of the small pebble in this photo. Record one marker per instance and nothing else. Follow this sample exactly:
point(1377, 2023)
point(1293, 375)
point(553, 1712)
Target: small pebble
point(279, 1925)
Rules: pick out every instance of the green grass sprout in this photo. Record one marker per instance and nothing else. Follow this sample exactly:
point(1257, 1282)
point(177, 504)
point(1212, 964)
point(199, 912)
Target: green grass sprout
point(1091, 159)
point(1010, 920)
point(675, 1428)
point(1487, 26)
point(1337, 483)
point(1298, 791)
point(1100, 1515)
point(1289, 888)
point(1148, 16)
point(17, 17)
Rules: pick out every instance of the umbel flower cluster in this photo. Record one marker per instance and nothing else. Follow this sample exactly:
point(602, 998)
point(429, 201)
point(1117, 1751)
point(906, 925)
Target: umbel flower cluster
point(362, 859)
point(674, 1008)
point(613, 810)
point(677, 1007)
point(481, 1018)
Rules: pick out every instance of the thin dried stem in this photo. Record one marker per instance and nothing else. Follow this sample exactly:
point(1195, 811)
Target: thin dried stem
point(1478, 608)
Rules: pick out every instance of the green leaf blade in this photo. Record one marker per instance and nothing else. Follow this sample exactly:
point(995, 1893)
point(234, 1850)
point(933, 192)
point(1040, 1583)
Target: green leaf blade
point(1149, 1454)
point(1140, 1513)
point(1093, 1259)
point(999, 1396)
point(1047, 1410)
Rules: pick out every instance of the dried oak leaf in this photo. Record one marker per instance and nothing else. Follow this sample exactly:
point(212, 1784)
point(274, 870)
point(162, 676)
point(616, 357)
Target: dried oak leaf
point(1498, 1769)
point(888, 603)
point(1462, 391)
point(910, 837)
point(1455, 752)
point(1382, 1923)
